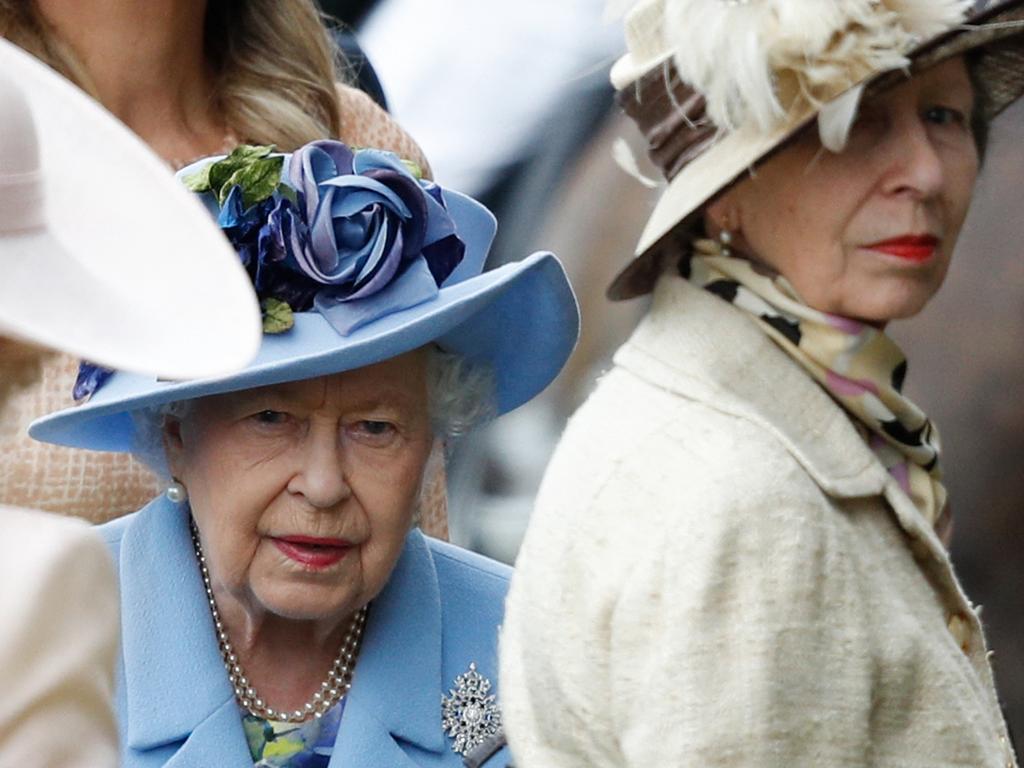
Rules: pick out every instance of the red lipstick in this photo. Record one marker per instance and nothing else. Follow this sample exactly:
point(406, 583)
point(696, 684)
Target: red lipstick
point(916, 248)
point(311, 551)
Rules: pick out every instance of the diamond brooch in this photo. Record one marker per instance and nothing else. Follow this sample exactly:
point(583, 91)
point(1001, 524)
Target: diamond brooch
point(469, 714)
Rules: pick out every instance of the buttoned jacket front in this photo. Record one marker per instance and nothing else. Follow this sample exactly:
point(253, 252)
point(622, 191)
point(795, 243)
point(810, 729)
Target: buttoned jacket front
point(438, 613)
point(719, 572)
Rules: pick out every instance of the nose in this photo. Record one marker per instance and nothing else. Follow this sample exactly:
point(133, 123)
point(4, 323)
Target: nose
point(320, 478)
point(916, 169)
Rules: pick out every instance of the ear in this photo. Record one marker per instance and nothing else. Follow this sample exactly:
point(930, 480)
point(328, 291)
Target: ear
point(174, 446)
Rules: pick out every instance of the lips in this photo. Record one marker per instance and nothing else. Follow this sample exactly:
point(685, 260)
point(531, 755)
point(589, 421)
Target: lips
point(916, 248)
point(311, 551)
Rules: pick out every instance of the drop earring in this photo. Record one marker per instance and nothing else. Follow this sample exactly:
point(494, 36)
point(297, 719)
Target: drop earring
point(176, 493)
point(725, 241)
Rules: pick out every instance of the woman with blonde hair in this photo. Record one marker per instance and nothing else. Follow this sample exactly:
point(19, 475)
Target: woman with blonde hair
point(737, 557)
point(191, 78)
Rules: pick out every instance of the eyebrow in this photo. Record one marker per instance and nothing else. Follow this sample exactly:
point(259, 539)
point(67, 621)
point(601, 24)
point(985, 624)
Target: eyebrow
point(269, 396)
point(359, 397)
point(383, 396)
point(285, 391)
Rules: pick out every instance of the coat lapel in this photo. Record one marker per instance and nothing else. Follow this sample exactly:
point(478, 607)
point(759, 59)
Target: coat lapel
point(694, 344)
point(396, 690)
point(176, 689)
point(218, 740)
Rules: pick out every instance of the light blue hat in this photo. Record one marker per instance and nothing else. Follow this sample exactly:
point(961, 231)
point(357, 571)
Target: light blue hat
point(355, 261)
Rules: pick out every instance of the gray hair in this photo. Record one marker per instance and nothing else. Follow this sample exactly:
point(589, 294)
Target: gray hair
point(460, 396)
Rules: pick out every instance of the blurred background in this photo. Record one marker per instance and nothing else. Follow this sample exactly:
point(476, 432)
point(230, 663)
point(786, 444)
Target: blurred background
point(511, 104)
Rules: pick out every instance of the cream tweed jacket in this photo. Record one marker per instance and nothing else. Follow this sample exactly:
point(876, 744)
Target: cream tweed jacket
point(719, 572)
point(58, 642)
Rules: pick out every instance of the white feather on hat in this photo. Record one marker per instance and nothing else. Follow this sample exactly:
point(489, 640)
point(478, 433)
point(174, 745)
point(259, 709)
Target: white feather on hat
point(754, 61)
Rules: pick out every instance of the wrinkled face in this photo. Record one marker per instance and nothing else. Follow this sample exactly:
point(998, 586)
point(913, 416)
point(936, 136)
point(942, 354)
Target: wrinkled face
point(303, 492)
point(867, 233)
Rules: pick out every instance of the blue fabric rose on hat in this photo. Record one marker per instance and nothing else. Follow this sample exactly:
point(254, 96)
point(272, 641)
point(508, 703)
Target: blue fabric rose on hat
point(366, 217)
point(352, 233)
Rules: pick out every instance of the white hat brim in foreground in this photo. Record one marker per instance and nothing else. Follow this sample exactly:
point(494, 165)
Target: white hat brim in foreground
point(520, 319)
point(127, 270)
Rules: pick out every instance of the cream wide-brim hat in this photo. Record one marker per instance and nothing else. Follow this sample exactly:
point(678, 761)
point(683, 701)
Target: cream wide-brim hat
point(103, 254)
point(995, 32)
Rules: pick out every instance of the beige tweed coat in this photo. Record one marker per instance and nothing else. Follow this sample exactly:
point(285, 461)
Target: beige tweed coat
point(720, 573)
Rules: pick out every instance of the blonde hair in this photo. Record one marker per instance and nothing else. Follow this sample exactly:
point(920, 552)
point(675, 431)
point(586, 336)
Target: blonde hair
point(276, 65)
point(21, 367)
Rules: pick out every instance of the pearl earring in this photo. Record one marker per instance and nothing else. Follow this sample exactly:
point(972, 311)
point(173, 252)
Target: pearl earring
point(725, 240)
point(176, 493)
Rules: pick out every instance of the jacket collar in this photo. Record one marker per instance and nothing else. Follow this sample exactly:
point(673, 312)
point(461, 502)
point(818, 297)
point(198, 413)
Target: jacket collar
point(174, 675)
point(698, 346)
point(176, 688)
point(396, 690)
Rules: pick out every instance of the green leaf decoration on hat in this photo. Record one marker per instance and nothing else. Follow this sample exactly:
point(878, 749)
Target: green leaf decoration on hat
point(277, 316)
point(252, 168)
point(413, 168)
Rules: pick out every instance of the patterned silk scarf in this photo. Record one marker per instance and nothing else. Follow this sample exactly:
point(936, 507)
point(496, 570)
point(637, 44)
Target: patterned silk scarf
point(857, 364)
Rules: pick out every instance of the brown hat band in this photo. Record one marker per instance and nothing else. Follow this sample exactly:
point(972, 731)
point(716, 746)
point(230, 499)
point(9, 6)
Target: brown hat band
point(672, 117)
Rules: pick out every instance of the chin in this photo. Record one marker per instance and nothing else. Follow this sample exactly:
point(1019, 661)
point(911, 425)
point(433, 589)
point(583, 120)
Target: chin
point(304, 601)
point(894, 300)
point(880, 313)
point(905, 312)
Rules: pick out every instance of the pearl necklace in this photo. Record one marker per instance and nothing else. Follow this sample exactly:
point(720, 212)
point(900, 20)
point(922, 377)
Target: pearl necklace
point(332, 690)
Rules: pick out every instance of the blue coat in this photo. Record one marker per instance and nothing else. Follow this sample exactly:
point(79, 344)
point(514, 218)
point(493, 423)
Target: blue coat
point(439, 611)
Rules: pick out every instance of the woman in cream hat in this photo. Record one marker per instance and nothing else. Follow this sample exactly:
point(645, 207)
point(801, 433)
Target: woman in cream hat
point(737, 556)
point(129, 284)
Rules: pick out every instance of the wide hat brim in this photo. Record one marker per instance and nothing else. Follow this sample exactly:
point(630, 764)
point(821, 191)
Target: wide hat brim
point(128, 270)
point(521, 320)
point(1000, 70)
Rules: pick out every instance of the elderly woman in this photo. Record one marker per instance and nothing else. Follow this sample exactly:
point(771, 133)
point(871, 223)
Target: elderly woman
point(279, 607)
point(736, 556)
